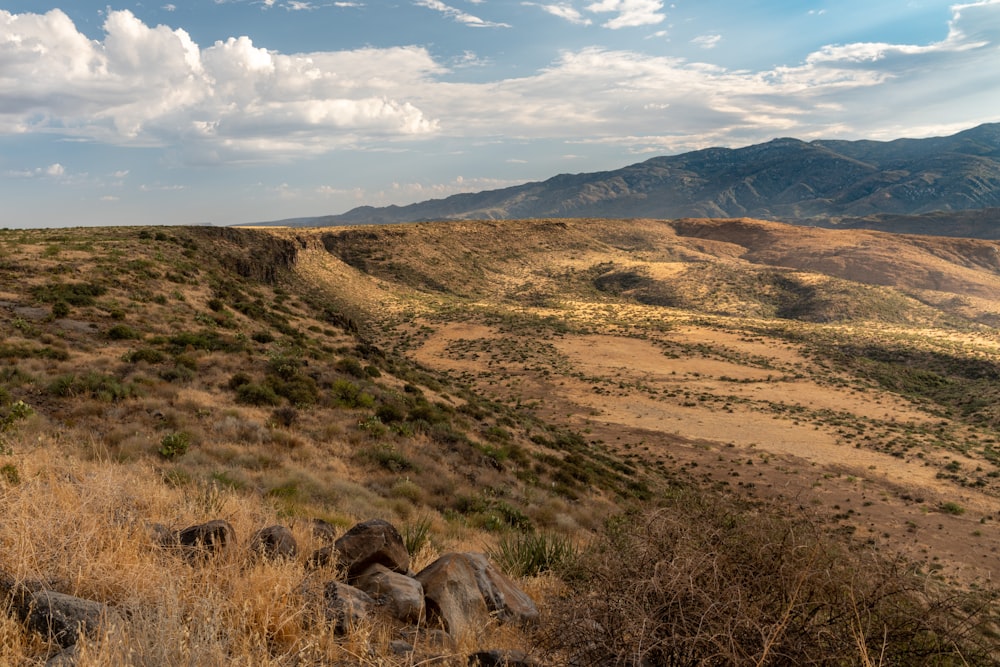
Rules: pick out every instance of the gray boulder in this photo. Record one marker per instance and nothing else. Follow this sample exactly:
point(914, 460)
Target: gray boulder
point(346, 607)
point(63, 618)
point(402, 597)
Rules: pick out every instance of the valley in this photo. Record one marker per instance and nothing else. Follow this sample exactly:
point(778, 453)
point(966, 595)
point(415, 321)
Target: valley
point(477, 382)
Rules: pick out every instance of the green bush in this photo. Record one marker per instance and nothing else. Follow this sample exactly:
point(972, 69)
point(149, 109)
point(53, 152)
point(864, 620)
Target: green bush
point(951, 508)
point(416, 535)
point(93, 384)
point(73, 294)
point(252, 393)
point(351, 366)
point(10, 474)
point(147, 354)
point(60, 309)
point(346, 394)
point(123, 332)
point(530, 554)
point(386, 456)
point(174, 445)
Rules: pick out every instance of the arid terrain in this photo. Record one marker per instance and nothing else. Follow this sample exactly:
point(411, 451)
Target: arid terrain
point(470, 381)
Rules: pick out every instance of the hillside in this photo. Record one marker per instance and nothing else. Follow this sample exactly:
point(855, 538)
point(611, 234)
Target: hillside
point(817, 182)
point(730, 401)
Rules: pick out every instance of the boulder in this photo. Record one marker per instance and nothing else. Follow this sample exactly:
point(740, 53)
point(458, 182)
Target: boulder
point(207, 538)
point(451, 594)
point(504, 598)
point(62, 618)
point(324, 531)
point(274, 542)
point(369, 543)
point(462, 590)
point(401, 596)
point(346, 606)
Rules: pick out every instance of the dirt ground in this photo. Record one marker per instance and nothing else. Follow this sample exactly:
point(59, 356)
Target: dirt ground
point(714, 418)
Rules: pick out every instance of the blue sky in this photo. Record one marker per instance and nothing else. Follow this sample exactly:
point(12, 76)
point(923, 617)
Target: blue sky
point(233, 111)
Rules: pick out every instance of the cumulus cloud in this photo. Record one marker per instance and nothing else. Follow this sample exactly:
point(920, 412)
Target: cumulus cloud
point(630, 13)
point(234, 101)
point(458, 15)
point(154, 86)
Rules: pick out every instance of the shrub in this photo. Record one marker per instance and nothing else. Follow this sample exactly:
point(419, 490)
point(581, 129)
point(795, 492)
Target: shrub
point(351, 366)
point(96, 385)
point(73, 294)
point(60, 309)
point(386, 456)
point(346, 394)
point(416, 535)
point(10, 474)
point(712, 580)
point(123, 332)
point(252, 393)
point(530, 554)
point(238, 380)
point(285, 416)
point(174, 445)
point(147, 354)
point(951, 508)
point(390, 412)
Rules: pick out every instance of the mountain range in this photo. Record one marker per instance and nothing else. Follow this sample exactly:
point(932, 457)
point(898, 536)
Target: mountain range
point(893, 186)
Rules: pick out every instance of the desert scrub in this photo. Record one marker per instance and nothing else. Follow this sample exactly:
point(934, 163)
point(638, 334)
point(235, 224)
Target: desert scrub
point(174, 445)
point(94, 385)
point(705, 578)
point(252, 393)
point(530, 554)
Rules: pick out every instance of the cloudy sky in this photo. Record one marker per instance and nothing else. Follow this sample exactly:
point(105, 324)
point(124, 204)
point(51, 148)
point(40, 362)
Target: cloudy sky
point(230, 111)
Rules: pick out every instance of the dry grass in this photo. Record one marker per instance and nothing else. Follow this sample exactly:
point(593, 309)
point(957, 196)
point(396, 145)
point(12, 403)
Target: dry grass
point(486, 378)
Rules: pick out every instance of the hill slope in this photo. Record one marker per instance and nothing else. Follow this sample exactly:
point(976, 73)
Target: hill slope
point(767, 412)
point(784, 179)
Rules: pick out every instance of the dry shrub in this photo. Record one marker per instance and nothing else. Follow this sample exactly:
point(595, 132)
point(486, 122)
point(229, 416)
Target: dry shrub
point(710, 580)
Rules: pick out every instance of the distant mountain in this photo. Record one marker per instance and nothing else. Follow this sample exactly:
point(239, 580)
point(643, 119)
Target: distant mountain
point(818, 182)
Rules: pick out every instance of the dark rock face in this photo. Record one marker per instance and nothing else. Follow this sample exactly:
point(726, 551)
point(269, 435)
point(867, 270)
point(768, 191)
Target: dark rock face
point(274, 542)
point(369, 543)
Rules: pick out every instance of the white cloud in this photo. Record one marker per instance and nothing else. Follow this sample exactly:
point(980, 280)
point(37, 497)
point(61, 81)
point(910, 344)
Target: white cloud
point(707, 41)
point(235, 102)
point(458, 15)
point(156, 87)
point(562, 10)
point(170, 8)
point(53, 170)
point(631, 13)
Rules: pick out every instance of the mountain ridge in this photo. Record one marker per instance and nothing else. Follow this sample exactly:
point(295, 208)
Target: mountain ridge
point(819, 183)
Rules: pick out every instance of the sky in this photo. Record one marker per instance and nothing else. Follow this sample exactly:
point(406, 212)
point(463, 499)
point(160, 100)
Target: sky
point(237, 111)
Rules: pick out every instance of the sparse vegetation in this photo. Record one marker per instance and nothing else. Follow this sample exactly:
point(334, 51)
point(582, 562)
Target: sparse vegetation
point(624, 421)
